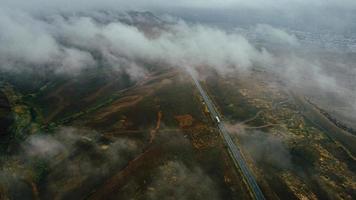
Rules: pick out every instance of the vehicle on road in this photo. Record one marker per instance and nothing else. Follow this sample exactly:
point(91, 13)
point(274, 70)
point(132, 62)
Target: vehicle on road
point(217, 119)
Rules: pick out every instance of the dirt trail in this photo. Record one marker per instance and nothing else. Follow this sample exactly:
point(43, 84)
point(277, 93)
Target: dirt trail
point(155, 130)
point(329, 128)
point(262, 126)
point(99, 92)
point(61, 102)
point(119, 104)
point(139, 91)
point(252, 118)
point(113, 184)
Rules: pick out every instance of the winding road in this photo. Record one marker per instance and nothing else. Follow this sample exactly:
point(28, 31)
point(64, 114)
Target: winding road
point(233, 149)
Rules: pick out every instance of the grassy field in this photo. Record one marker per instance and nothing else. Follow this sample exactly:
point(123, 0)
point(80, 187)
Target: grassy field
point(292, 156)
point(115, 139)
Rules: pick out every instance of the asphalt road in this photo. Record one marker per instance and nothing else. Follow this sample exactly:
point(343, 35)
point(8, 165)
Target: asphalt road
point(234, 150)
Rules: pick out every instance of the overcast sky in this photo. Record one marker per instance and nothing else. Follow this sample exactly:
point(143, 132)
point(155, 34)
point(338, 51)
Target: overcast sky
point(162, 4)
point(332, 15)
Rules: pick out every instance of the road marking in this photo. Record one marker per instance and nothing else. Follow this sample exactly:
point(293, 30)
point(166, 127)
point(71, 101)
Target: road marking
point(234, 150)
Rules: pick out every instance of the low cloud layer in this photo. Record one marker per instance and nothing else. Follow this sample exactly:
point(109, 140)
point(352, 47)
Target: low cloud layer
point(265, 148)
point(67, 44)
point(70, 43)
point(53, 42)
point(162, 4)
point(69, 155)
point(312, 15)
point(27, 42)
point(275, 36)
point(175, 180)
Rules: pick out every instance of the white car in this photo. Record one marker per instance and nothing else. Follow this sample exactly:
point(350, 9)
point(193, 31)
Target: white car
point(217, 119)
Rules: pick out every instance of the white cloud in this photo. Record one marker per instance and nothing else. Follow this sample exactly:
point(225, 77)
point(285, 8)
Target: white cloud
point(26, 41)
point(275, 35)
point(163, 4)
point(64, 44)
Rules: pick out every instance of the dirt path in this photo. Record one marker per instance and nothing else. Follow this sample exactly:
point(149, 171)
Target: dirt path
point(155, 130)
point(61, 102)
point(252, 118)
point(114, 184)
point(119, 104)
point(140, 91)
point(324, 124)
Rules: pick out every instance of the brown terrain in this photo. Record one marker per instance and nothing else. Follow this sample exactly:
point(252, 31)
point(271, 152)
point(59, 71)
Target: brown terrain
point(153, 138)
point(294, 150)
point(141, 141)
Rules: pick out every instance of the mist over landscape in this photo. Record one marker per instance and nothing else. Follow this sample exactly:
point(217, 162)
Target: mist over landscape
point(102, 99)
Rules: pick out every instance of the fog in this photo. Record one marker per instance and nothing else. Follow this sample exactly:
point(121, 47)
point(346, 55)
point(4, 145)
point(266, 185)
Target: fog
point(70, 154)
point(335, 15)
point(306, 44)
point(175, 180)
point(264, 147)
point(161, 4)
point(67, 43)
